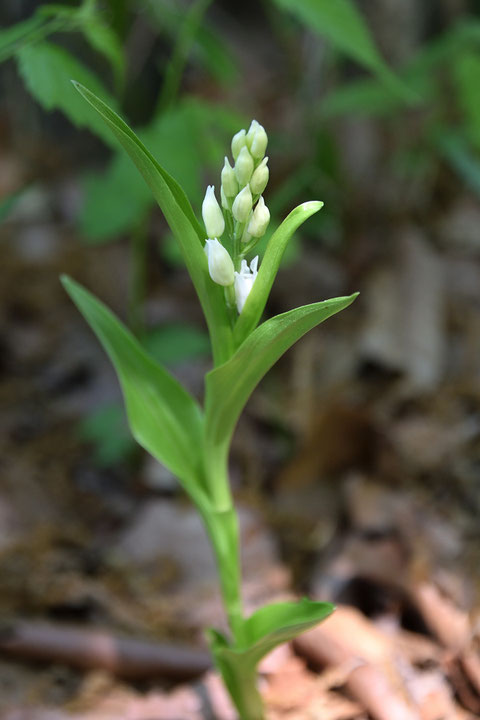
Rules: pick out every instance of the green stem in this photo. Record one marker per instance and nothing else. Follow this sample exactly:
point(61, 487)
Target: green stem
point(245, 695)
point(222, 526)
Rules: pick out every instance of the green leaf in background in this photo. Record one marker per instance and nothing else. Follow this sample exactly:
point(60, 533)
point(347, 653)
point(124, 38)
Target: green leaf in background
point(7, 203)
point(257, 299)
point(267, 628)
point(209, 48)
point(164, 418)
point(176, 343)
point(342, 23)
point(12, 37)
point(456, 150)
point(47, 71)
point(466, 74)
point(107, 431)
point(102, 39)
point(185, 39)
point(229, 386)
point(183, 223)
point(114, 201)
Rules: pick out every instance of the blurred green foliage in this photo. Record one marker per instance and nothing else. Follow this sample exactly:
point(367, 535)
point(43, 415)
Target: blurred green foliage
point(90, 41)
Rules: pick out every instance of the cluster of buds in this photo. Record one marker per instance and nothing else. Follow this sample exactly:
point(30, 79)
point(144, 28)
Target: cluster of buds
point(242, 214)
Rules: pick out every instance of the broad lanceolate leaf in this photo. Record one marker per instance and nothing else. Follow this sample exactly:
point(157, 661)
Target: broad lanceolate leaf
point(260, 291)
point(342, 23)
point(163, 417)
point(182, 221)
point(229, 386)
point(47, 71)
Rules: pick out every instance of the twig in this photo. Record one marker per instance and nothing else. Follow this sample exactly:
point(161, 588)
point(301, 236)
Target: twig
point(126, 657)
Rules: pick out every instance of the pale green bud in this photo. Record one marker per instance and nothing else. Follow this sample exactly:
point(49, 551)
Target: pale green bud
point(251, 132)
point(246, 237)
point(257, 140)
point(220, 264)
point(242, 205)
point(224, 199)
point(244, 166)
point(212, 214)
point(260, 219)
point(260, 176)
point(238, 141)
point(229, 181)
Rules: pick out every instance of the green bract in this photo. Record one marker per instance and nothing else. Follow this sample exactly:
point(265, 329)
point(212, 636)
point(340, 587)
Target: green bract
point(165, 420)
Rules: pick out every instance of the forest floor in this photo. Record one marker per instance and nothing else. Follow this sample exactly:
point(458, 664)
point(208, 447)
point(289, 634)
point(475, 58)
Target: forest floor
point(355, 469)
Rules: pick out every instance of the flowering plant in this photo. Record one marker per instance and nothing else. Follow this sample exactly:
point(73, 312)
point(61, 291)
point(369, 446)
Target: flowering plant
point(194, 442)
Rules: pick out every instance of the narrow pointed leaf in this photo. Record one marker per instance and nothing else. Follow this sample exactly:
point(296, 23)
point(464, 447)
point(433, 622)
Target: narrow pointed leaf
point(229, 386)
point(163, 417)
point(257, 299)
point(182, 221)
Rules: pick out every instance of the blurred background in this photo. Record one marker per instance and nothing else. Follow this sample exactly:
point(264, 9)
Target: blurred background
point(356, 466)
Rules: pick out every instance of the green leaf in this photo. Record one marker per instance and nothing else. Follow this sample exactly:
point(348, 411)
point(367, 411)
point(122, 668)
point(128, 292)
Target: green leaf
point(466, 73)
point(210, 49)
point(278, 623)
point(164, 418)
point(181, 219)
point(183, 45)
point(274, 624)
point(260, 291)
point(342, 23)
point(103, 39)
point(460, 155)
point(11, 37)
point(107, 430)
point(268, 627)
point(7, 204)
point(177, 343)
point(114, 201)
point(47, 70)
point(229, 386)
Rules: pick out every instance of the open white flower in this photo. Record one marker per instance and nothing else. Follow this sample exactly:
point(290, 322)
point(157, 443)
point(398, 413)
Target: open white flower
point(244, 282)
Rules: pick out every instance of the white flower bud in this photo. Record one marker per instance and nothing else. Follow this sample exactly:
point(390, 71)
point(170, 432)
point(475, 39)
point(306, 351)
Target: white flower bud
point(212, 214)
point(242, 205)
point(238, 141)
point(260, 219)
point(244, 282)
point(220, 264)
point(229, 181)
point(244, 166)
point(259, 179)
point(256, 140)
